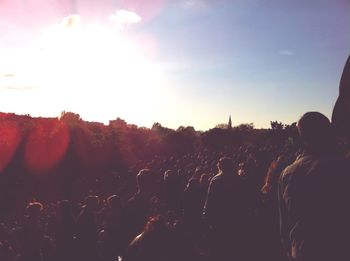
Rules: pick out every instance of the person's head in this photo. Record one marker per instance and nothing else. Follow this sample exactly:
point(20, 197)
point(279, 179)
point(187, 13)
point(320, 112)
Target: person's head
point(114, 202)
point(92, 202)
point(145, 180)
point(169, 176)
point(315, 131)
point(192, 183)
point(225, 165)
point(64, 207)
point(34, 209)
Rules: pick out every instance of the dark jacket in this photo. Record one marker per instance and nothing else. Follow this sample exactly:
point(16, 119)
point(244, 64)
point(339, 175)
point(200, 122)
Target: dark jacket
point(313, 204)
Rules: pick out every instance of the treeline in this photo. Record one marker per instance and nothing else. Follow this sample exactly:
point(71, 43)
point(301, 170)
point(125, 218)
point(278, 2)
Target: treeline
point(41, 144)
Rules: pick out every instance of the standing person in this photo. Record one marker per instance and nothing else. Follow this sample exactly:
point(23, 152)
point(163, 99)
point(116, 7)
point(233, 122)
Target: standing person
point(32, 233)
point(87, 230)
point(228, 213)
point(112, 241)
point(341, 110)
point(313, 196)
point(157, 242)
point(65, 232)
point(270, 245)
point(140, 206)
point(172, 193)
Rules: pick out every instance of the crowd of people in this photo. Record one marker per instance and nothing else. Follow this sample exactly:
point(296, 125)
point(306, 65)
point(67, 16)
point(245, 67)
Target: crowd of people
point(241, 204)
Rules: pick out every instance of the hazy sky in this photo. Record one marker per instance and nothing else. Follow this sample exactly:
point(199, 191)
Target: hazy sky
point(179, 62)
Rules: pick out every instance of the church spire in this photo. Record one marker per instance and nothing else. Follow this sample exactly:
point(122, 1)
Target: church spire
point(229, 125)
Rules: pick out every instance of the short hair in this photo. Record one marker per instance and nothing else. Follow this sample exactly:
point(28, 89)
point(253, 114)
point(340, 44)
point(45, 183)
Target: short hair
point(114, 201)
point(170, 175)
point(92, 200)
point(34, 208)
point(225, 164)
point(64, 204)
point(145, 178)
point(315, 129)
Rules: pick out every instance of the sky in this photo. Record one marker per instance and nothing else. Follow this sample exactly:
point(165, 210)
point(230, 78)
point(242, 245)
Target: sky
point(183, 62)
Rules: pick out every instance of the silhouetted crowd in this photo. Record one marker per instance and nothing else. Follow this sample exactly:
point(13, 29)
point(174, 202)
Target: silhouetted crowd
point(248, 203)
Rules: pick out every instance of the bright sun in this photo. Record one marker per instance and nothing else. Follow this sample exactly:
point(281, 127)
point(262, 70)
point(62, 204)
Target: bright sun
point(94, 70)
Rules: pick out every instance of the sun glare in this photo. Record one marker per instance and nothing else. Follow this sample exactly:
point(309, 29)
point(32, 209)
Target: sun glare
point(95, 70)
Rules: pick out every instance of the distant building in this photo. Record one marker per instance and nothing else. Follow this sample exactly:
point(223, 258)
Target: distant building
point(229, 125)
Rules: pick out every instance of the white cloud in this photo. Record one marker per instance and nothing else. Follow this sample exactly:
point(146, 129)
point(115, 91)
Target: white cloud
point(124, 17)
point(286, 52)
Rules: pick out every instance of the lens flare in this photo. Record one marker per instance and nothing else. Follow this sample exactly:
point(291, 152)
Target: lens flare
point(10, 138)
point(46, 145)
point(92, 149)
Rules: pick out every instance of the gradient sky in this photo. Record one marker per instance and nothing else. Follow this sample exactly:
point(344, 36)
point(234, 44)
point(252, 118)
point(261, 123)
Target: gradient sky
point(179, 62)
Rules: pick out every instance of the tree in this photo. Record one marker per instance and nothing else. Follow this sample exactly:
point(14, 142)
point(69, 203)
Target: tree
point(245, 127)
point(118, 123)
point(277, 126)
point(222, 126)
point(70, 118)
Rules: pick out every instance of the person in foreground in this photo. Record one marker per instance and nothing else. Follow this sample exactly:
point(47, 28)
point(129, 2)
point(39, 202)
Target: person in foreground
point(227, 212)
point(314, 196)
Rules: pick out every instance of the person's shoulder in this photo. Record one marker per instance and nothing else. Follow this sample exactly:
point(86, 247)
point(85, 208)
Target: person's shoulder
point(299, 164)
point(134, 247)
point(135, 202)
point(81, 213)
point(216, 179)
point(136, 241)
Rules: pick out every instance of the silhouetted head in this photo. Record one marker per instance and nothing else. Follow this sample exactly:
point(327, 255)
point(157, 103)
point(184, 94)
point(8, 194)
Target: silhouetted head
point(92, 202)
point(193, 183)
point(64, 206)
point(315, 131)
point(114, 202)
point(341, 110)
point(156, 242)
point(170, 176)
point(145, 180)
point(34, 209)
point(225, 165)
